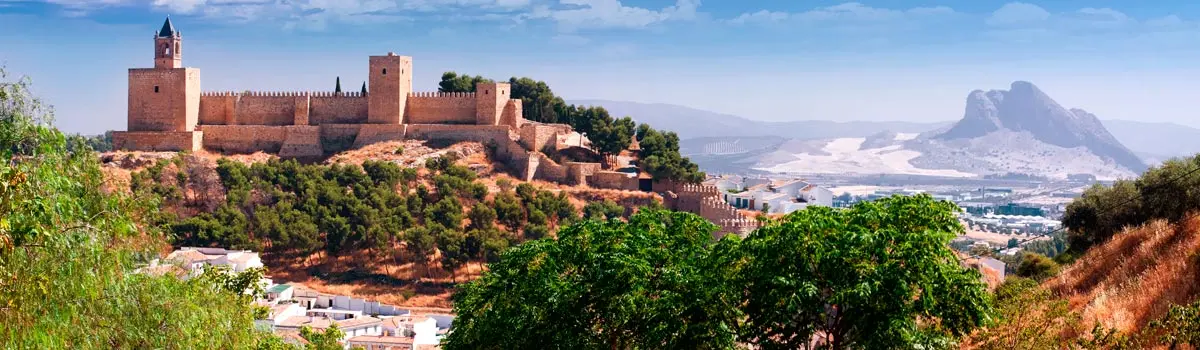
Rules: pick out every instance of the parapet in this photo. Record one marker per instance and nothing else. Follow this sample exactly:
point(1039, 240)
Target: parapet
point(442, 94)
point(351, 94)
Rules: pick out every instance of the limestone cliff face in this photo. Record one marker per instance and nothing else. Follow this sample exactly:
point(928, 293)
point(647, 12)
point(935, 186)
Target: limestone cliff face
point(1025, 108)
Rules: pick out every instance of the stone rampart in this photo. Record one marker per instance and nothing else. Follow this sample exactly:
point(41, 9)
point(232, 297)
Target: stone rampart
point(337, 110)
point(375, 133)
point(494, 135)
point(166, 141)
point(511, 115)
point(542, 167)
point(281, 108)
point(740, 227)
point(613, 180)
point(265, 109)
point(217, 108)
point(440, 108)
point(338, 137)
point(578, 172)
point(301, 141)
point(536, 136)
point(244, 138)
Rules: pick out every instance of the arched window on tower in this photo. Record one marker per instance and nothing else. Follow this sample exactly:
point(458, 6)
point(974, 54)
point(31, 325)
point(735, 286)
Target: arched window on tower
point(385, 71)
point(176, 48)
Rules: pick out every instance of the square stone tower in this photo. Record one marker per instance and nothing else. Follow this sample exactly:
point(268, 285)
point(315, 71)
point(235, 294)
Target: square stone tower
point(166, 97)
point(164, 101)
point(390, 81)
point(490, 99)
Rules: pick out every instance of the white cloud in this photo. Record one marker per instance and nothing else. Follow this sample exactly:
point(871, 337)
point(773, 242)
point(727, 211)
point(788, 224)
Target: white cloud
point(1017, 13)
point(573, 15)
point(843, 13)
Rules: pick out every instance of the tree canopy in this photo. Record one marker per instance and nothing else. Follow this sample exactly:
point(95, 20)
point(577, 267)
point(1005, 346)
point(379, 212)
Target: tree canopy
point(69, 249)
point(650, 283)
point(875, 275)
point(1162, 192)
point(608, 134)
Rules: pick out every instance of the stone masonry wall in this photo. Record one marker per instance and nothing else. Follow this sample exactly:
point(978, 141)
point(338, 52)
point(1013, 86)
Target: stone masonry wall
point(167, 141)
point(282, 108)
point(244, 138)
point(217, 109)
point(440, 108)
point(543, 168)
point(512, 114)
point(161, 99)
point(535, 136)
point(614, 180)
point(578, 172)
point(337, 110)
point(265, 110)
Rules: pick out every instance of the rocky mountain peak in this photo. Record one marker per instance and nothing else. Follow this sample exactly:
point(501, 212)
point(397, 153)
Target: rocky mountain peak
point(1025, 108)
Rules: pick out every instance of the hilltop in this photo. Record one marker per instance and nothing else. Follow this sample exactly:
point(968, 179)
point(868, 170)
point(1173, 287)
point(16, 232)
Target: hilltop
point(380, 270)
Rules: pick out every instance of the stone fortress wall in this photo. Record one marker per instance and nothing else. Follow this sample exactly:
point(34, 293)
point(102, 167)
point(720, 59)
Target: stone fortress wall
point(169, 112)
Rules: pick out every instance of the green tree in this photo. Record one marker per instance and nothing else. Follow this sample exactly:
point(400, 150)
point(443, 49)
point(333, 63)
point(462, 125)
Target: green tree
point(452, 82)
point(603, 210)
point(69, 253)
point(1037, 267)
point(482, 216)
point(874, 275)
point(648, 283)
point(330, 339)
point(1013, 243)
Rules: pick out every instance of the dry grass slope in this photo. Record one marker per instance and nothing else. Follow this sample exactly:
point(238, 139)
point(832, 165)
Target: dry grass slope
point(1135, 277)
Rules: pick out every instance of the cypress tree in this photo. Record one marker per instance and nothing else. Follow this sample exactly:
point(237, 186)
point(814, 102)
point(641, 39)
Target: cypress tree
point(364, 89)
point(338, 89)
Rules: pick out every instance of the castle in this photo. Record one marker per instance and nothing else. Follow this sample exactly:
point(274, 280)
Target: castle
point(169, 112)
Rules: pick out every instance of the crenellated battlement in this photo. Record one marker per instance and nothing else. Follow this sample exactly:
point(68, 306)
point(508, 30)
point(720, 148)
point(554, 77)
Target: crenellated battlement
point(353, 94)
point(439, 94)
point(696, 188)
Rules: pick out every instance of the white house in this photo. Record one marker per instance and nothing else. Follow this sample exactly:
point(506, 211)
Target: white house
point(195, 259)
point(353, 327)
point(779, 196)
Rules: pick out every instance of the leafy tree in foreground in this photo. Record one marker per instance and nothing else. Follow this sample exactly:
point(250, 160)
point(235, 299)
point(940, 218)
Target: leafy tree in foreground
point(876, 275)
point(650, 283)
point(68, 251)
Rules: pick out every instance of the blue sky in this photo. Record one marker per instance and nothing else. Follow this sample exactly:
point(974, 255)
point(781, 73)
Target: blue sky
point(767, 60)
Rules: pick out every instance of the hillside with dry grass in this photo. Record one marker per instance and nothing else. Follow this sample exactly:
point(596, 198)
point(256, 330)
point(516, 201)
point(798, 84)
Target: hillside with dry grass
point(1135, 277)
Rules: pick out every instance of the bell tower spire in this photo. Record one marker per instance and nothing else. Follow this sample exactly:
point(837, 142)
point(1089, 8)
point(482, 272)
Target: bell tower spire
point(168, 46)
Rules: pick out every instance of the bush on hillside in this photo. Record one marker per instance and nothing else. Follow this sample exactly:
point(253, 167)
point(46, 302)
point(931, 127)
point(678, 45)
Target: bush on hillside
point(1037, 267)
point(1163, 192)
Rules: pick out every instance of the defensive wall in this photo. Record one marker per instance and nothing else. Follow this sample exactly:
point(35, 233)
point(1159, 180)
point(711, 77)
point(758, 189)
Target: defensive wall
point(614, 180)
point(282, 108)
point(706, 201)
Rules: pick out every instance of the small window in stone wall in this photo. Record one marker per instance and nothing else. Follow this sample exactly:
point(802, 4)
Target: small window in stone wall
point(156, 89)
point(385, 71)
point(485, 92)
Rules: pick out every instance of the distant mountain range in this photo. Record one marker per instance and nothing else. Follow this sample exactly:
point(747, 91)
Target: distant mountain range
point(1017, 130)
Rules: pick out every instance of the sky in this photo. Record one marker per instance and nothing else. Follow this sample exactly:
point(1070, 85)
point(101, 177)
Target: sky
point(766, 60)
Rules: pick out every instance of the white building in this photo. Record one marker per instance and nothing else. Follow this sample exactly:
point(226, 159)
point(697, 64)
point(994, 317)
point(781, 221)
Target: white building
point(195, 259)
point(779, 197)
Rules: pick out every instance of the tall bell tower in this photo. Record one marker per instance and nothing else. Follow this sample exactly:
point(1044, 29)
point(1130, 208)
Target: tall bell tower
point(164, 101)
point(168, 46)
